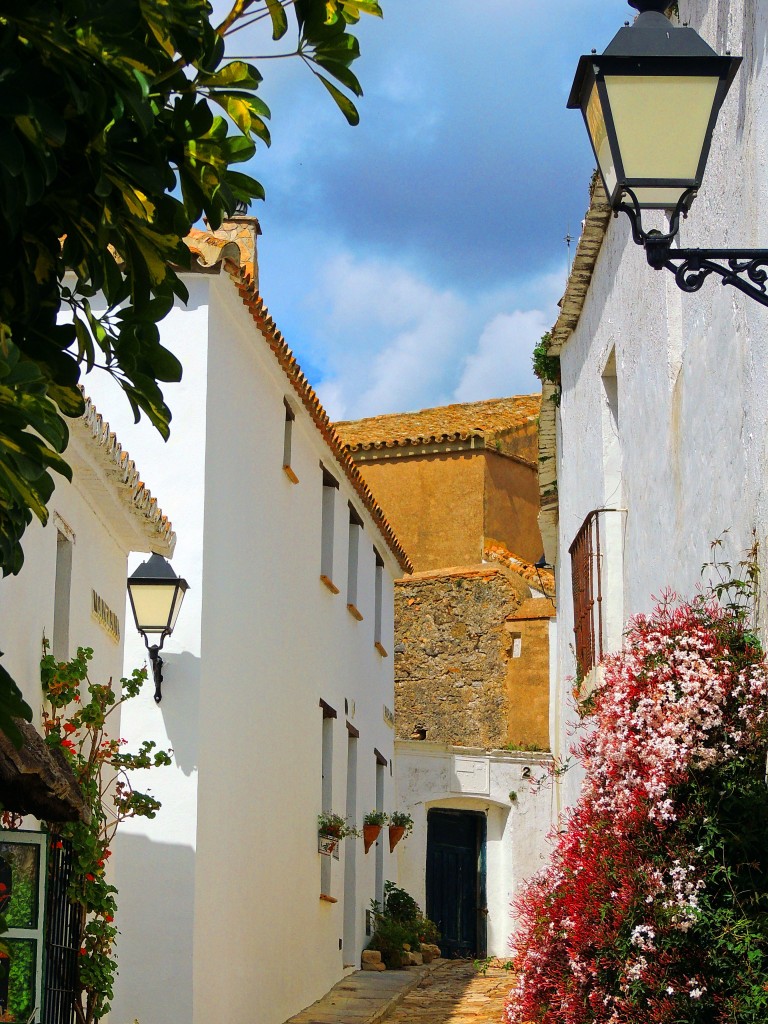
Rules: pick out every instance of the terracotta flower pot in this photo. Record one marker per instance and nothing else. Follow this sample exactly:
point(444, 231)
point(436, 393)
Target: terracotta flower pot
point(370, 835)
point(396, 833)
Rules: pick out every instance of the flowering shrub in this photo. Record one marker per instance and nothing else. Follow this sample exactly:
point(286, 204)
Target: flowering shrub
point(654, 906)
point(76, 723)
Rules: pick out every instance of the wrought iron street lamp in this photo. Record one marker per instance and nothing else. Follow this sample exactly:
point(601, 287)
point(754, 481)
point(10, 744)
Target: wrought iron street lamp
point(650, 103)
point(156, 594)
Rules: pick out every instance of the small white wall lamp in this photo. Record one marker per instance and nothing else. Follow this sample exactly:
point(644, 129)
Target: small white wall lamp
point(156, 594)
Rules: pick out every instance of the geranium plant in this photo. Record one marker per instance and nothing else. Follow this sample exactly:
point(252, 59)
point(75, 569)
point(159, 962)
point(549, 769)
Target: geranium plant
point(399, 819)
point(330, 824)
point(378, 818)
point(76, 719)
point(654, 906)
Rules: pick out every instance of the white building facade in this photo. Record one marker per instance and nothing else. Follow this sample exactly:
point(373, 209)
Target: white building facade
point(277, 689)
point(70, 592)
point(71, 588)
point(660, 440)
point(509, 799)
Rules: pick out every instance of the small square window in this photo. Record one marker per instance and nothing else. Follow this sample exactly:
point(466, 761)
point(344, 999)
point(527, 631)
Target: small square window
point(290, 416)
point(328, 525)
point(353, 553)
point(378, 599)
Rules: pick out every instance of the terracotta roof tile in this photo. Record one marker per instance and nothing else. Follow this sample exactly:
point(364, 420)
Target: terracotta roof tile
point(540, 579)
point(121, 467)
point(285, 357)
point(491, 419)
point(465, 572)
point(209, 250)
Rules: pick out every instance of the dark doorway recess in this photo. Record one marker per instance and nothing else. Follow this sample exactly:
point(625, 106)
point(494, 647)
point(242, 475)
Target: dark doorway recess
point(456, 880)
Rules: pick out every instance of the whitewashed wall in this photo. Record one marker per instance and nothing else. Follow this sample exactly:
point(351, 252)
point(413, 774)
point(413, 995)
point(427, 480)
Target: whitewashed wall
point(692, 371)
point(516, 844)
point(275, 642)
point(99, 554)
point(220, 895)
point(154, 860)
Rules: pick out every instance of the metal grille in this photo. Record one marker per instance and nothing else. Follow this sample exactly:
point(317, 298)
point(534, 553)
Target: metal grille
point(61, 937)
point(587, 593)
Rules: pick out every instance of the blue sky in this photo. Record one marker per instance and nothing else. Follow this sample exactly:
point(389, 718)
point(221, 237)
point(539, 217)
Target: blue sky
point(416, 259)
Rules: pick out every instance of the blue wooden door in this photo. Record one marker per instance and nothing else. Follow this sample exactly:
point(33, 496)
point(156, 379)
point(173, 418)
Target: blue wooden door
point(456, 880)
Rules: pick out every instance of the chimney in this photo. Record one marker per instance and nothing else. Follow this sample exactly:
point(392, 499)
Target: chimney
point(244, 231)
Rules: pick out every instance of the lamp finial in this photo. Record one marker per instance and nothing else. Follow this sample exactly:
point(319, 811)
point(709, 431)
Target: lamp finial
point(650, 5)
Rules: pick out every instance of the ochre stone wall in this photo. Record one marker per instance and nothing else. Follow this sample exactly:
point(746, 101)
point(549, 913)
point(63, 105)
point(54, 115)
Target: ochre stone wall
point(527, 681)
point(452, 652)
point(522, 441)
point(434, 504)
point(446, 508)
point(512, 506)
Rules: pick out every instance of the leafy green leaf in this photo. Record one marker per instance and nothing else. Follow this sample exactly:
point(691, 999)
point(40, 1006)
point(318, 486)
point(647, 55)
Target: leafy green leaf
point(341, 73)
point(345, 105)
point(279, 18)
point(245, 111)
point(236, 73)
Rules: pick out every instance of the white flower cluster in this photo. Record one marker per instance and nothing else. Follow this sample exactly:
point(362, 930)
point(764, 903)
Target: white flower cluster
point(682, 898)
point(642, 936)
point(663, 710)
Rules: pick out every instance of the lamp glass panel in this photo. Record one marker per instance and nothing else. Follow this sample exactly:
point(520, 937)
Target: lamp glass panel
point(177, 608)
point(661, 127)
point(593, 115)
point(152, 605)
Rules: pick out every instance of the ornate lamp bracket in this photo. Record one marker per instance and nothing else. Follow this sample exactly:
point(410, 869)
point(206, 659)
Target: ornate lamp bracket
point(692, 267)
point(157, 668)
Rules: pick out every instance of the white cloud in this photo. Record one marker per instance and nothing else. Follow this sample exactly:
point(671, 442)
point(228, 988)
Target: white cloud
point(392, 342)
point(501, 362)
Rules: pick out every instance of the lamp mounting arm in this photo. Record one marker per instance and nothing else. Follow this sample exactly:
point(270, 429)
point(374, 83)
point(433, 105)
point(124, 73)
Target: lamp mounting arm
point(692, 267)
point(157, 664)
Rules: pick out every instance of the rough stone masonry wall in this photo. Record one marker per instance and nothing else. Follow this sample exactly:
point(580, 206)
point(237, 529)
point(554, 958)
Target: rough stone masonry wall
point(451, 652)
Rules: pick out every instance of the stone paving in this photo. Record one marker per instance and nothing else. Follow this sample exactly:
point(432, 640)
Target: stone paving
point(446, 992)
point(455, 993)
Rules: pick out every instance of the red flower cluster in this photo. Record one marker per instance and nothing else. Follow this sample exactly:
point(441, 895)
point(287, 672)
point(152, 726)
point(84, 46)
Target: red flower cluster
point(607, 932)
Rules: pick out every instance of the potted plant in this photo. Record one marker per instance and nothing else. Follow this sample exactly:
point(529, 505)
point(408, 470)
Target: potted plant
point(373, 823)
point(400, 825)
point(331, 829)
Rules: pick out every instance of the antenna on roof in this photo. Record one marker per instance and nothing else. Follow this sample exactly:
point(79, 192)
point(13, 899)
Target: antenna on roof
point(568, 239)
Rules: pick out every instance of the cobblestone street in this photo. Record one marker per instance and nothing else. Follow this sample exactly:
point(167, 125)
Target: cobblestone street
point(455, 993)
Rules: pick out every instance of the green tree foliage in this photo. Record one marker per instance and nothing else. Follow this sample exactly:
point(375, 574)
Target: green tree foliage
point(121, 125)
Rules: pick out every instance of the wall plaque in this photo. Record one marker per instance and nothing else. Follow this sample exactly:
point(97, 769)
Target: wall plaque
point(470, 775)
point(105, 617)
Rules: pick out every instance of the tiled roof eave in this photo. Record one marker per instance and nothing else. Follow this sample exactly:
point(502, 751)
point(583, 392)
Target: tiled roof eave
point(571, 307)
point(468, 439)
point(266, 325)
point(379, 451)
point(118, 466)
point(541, 579)
point(480, 423)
